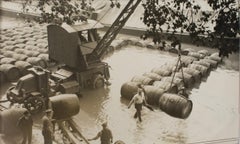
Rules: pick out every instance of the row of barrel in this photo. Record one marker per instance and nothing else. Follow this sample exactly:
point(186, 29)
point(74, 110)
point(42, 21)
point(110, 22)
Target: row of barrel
point(162, 89)
point(21, 48)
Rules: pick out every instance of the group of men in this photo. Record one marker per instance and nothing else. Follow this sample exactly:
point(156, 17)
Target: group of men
point(25, 124)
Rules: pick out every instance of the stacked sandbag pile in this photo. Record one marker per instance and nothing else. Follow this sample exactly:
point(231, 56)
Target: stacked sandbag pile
point(21, 48)
point(162, 84)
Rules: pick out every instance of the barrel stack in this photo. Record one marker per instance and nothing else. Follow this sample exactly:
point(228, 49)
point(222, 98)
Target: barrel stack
point(162, 89)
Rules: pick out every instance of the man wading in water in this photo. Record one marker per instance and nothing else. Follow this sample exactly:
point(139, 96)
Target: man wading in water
point(105, 135)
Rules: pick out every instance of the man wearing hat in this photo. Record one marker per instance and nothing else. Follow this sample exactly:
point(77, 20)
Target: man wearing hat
point(105, 135)
point(47, 127)
point(25, 123)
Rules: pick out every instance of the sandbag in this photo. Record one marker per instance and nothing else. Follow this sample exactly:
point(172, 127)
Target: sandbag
point(8, 53)
point(9, 119)
point(153, 76)
point(196, 55)
point(142, 80)
point(166, 86)
point(153, 94)
point(128, 90)
point(204, 52)
point(203, 63)
point(2, 77)
point(175, 105)
point(215, 58)
point(19, 57)
point(64, 106)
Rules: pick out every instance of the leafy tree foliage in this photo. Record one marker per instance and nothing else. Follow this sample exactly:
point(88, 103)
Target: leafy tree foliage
point(218, 27)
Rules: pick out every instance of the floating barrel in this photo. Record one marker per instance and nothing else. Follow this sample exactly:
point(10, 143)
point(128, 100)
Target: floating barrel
point(203, 70)
point(161, 71)
point(64, 106)
point(153, 76)
point(142, 80)
point(9, 119)
point(153, 94)
point(203, 63)
point(166, 86)
point(176, 81)
point(175, 105)
point(211, 62)
point(204, 52)
point(23, 66)
point(188, 79)
point(12, 72)
point(37, 61)
point(195, 73)
point(7, 60)
point(129, 89)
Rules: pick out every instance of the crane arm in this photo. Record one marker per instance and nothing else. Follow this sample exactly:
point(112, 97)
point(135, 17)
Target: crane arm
point(112, 32)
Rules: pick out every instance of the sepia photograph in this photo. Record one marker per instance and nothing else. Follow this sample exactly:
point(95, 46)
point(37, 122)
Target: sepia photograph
point(119, 72)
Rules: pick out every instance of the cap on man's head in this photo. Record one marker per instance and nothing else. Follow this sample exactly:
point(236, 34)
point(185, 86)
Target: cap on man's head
point(48, 111)
point(104, 124)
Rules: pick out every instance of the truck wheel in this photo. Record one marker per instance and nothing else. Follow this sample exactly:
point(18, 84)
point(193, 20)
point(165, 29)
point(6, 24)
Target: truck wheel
point(34, 104)
point(13, 98)
point(98, 81)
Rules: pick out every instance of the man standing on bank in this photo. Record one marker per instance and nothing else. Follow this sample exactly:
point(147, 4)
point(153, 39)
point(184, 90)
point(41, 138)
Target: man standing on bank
point(47, 129)
point(105, 135)
point(25, 123)
point(138, 100)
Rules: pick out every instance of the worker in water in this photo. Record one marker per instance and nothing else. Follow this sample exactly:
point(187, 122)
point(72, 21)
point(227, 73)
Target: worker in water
point(47, 127)
point(105, 135)
point(138, 100)
point(25, 123)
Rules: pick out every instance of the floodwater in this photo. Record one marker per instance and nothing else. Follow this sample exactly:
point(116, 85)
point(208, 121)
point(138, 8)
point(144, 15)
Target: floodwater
point(214, 117)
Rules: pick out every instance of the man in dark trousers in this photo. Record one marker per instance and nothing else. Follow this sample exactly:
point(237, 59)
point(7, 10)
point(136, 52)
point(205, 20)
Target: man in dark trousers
point(47, 128)
point(105, 135)
point(25, 123)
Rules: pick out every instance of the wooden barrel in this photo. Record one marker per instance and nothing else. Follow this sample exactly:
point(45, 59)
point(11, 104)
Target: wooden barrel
point(129, 89)
point(64, 106)
point(195, 73)
point(23, 66)
point(166, 86)
point(203, 70)
point(9, 119)
point(153, 76)
point(204, 52)
point(37, 61)
point(7, 60)
point(212, 63)
point(188, 79)
point(153, 94)
point(161, 71)
point(2, 77)
point(175, 105)
point(12, 72)
point(203, 63)
point(176, 81)
point(142, 80)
